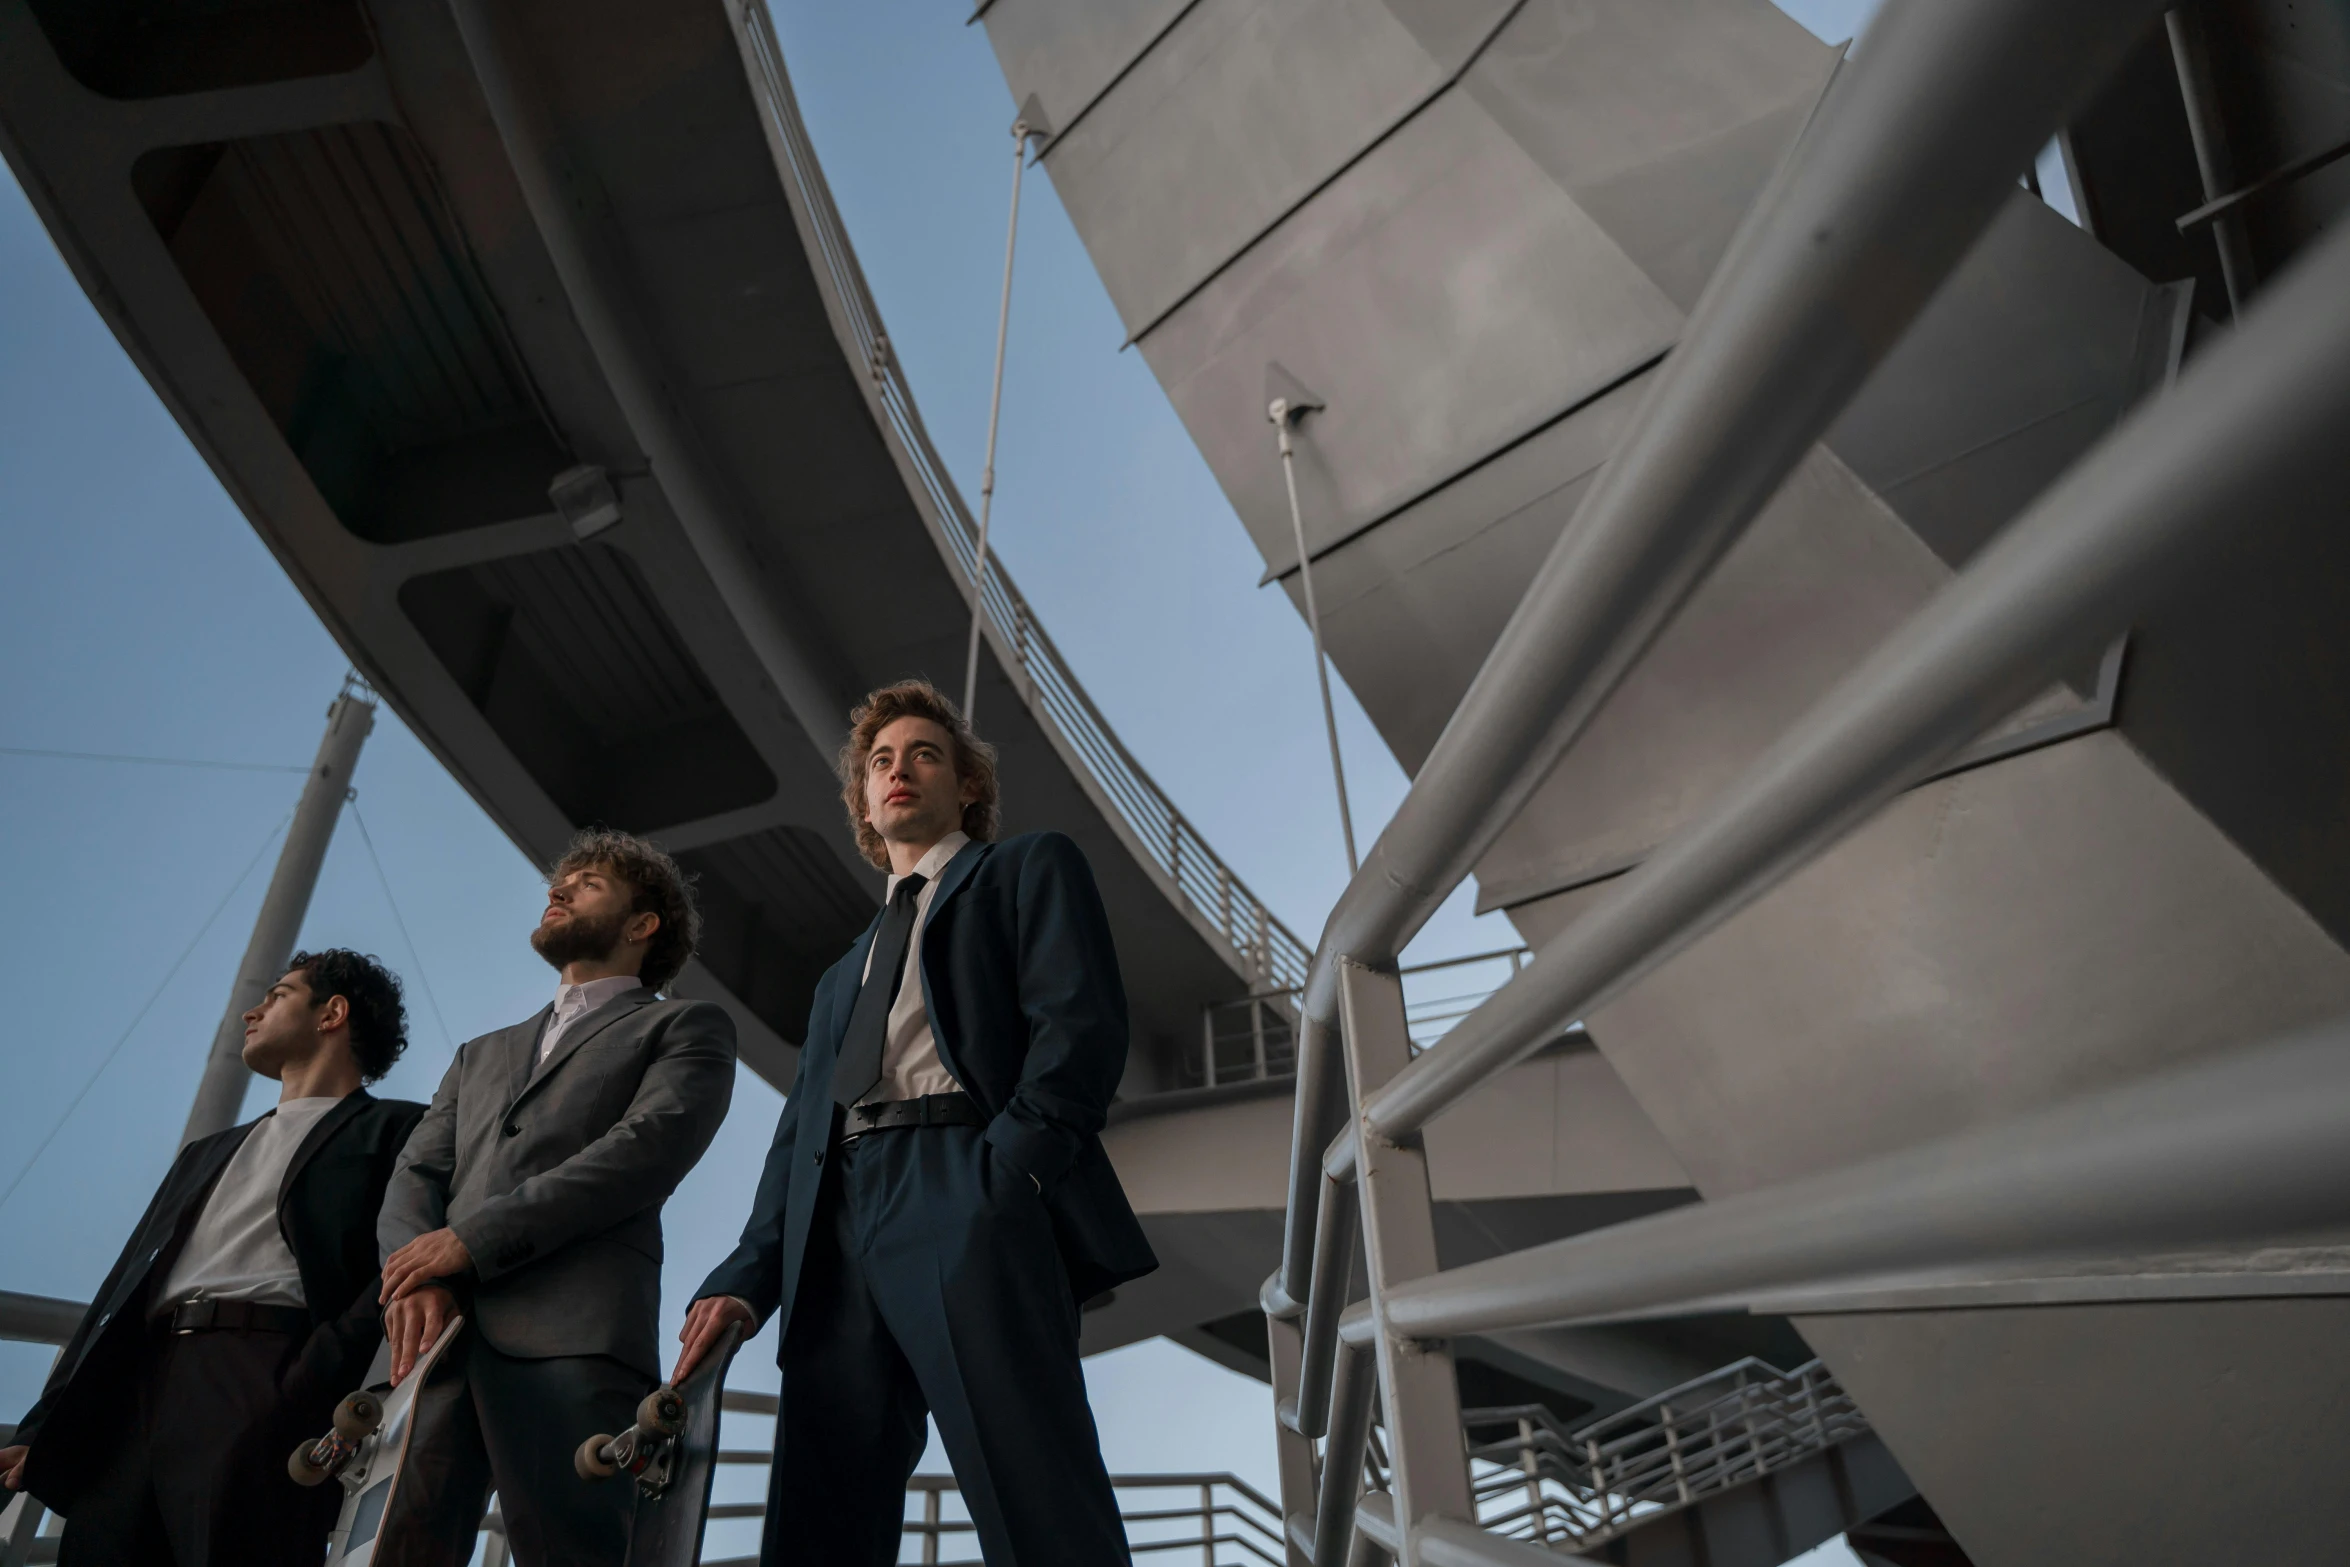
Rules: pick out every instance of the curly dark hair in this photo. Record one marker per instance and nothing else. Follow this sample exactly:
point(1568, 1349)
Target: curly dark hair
point(379, 1021)
point(974, 759)
point(659, 887)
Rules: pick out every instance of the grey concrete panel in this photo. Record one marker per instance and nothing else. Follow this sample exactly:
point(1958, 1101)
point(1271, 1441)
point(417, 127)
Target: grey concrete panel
point(2115, 1436)
point(1237, 115)
point(1823, 575)
point(1676, 216)
point(1410, 606)
point(1661, 119)
point(1067, 51)
point(1475, 347)
point(2027, 931)
point(2033, 349)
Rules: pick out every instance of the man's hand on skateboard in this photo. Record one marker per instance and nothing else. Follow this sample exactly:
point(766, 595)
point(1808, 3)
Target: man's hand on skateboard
point(705, 1322)
point(431, 1256)
point(413, 1323)
point(12, 1467)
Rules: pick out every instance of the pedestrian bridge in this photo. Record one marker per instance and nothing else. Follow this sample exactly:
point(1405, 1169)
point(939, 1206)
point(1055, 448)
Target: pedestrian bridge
point(531, 343)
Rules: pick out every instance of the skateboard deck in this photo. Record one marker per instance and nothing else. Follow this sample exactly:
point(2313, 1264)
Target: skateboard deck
point(371, 1472)
point(671, 1454)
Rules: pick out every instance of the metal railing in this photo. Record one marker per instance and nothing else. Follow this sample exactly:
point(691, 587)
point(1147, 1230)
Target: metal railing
point(1579, 1488)
point(1261, 947)
point(1254, 1038)
point(1214, 1519)
point(1912, 150)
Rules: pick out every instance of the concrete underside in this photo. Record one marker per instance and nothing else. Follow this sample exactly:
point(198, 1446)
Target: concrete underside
point(309, 236)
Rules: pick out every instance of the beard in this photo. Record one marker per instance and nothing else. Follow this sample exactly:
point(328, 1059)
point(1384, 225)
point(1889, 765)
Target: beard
point(581, 938)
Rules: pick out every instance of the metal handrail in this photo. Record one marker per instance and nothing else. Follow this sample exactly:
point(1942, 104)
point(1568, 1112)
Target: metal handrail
point(1260, 946)
point(1227, 1512)
point(1264, 1023)
point(1906, 161)
point(1719, 1432)
point(1910, 155)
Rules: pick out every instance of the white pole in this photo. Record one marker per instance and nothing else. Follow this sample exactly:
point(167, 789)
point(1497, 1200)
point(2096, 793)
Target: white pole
point(995, 407)
point(220, 1093)
point(1283, 415)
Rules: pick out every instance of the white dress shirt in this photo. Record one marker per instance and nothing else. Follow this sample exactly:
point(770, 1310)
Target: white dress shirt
point(910, 1066)
point(236, 1251)
point(573, 1002)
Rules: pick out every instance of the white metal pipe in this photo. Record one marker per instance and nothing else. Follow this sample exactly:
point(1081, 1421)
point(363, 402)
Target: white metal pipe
point(2248, 446)
point(2253, 1146)
point(595, 282)
point(1912, 151)
point(1342, 1454)
point(220, 1091)
point(1450, 1542)
point(995, 408)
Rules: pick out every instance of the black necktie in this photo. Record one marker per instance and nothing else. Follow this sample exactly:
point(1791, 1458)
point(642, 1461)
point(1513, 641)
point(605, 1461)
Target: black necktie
point(859, 1066)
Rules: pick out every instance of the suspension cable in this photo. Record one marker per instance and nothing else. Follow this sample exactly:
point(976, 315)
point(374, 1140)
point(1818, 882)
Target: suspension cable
point(1283, 413)
point(1021, 131)
point(145, 1007)
point(414, 956)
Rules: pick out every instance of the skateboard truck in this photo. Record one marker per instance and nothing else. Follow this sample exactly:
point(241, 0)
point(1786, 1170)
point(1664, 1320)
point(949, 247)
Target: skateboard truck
point(357, 1418)
point(645, 1450)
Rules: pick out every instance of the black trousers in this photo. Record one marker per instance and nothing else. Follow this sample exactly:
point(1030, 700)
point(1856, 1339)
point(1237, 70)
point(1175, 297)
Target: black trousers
point(932, 1284)
point(199, 1477)
point(488, 1419)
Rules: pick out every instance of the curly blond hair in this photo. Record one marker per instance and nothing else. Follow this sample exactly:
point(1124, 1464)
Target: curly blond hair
point(974, 759)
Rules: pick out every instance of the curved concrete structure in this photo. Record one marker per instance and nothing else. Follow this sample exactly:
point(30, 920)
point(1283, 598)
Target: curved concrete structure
point(394, 308)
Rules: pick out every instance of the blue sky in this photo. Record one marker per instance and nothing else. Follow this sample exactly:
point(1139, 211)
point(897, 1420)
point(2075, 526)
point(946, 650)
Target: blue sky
point(141, 614)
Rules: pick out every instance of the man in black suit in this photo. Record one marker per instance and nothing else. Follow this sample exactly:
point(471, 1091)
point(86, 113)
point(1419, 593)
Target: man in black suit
point(937, 1203)
point(530, 1199)
point(243, 1309)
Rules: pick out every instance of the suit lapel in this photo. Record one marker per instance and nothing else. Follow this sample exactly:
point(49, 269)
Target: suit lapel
point(320, 1133)
point(587, 1028)
point(521, 1043)
point(950, 882)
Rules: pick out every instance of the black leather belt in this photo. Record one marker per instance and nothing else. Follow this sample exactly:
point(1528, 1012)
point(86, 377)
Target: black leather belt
point(203, 1316)
point(956, 1109)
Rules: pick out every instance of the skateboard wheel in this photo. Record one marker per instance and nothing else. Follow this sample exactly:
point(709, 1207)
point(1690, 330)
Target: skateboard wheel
point(663, 1410)
point(590, 1463)
point(358, 1416)
point(303, 1469)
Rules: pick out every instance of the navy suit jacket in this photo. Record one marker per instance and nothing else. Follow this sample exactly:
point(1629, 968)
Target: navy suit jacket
point(1021, 983)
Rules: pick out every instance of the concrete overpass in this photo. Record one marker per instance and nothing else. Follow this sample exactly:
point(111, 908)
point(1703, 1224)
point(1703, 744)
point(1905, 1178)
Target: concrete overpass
point(529, 339)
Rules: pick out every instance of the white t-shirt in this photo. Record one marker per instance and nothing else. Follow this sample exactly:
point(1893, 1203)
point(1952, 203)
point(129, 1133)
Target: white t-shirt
point(235, 1252)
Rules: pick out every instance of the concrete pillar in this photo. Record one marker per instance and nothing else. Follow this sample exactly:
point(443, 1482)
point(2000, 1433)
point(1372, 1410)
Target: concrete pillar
point(221, 1093)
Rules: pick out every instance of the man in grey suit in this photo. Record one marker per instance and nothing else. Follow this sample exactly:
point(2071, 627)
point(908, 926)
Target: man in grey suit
point(530, 1199)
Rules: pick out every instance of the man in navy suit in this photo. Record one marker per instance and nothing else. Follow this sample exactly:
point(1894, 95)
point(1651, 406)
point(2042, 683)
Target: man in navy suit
point(937, 1204)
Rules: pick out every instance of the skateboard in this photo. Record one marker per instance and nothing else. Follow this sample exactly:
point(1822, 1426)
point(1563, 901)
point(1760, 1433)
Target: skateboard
point(672, 1455)
point(366, 1451)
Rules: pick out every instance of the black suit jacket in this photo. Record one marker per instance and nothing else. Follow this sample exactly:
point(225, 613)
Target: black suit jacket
point(326, 1209)
point(1021, 982)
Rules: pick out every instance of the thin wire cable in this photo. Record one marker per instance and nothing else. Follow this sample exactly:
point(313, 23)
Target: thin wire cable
point(152, 761)
point(414, 956)
point(148, 1006)
point(1282, 414)
point(995, 407)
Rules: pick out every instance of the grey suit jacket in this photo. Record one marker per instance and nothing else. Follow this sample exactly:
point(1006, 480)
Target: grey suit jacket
point(554, 1175)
